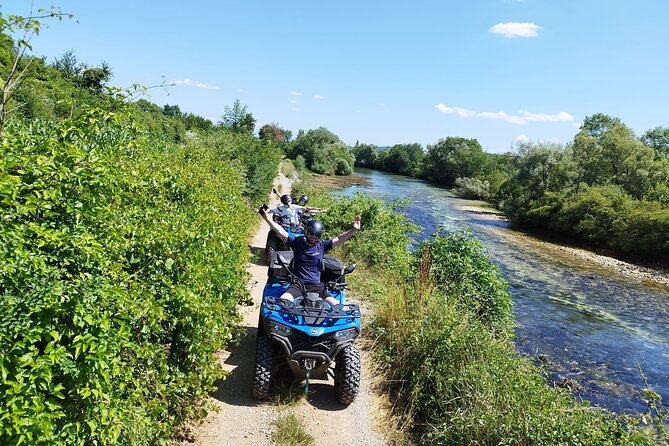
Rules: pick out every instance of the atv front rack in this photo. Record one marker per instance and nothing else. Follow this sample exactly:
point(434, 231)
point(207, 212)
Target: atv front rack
point(346, 311)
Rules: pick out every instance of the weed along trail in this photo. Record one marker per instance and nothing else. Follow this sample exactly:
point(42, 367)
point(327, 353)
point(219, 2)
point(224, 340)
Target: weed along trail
point(242, 420)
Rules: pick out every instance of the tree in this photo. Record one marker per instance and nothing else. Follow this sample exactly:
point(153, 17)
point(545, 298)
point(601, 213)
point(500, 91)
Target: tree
point(172, 111)
point(607, 152)
point(452, 158)
point(93, 78)
point(15, 65)
point(658, 139)
point(275, 133)
point(238, 118)
point(366, 155)
point(67, 64)
point(320, 149)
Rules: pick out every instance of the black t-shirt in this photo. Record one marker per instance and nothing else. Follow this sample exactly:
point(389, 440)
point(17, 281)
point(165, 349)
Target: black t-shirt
point(308, 260)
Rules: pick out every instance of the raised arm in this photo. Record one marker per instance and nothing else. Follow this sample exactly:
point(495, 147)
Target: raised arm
point(313, 210)
point(341, 238)
point(264, 211)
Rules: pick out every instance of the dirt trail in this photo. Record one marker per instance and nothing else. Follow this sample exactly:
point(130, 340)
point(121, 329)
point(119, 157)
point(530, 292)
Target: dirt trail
point(241, 420)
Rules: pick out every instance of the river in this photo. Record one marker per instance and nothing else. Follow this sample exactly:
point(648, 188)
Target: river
point(592, 326)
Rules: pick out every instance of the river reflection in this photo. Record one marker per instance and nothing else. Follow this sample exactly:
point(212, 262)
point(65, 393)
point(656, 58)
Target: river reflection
point(593, 328)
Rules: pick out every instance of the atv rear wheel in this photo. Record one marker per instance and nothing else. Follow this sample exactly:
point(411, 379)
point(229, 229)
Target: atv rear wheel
point(347, 374)
point(270, 249)
point(262, 378)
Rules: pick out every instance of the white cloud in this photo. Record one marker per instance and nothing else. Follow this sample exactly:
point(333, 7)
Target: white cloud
point(503, 116)
point(522, 138)
point(463, 113)
point(578, 125)
point(317, 96)
point(515, 29)
point(560, 117)
point(295, 93)
point(523, 117)
point(191, 83)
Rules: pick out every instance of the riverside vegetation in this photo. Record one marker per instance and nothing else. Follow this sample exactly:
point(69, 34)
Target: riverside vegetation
point(123, 249)
point(442, 337)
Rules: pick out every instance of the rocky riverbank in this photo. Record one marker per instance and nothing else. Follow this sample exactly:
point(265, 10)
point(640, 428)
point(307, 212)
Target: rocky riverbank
point(573, 255)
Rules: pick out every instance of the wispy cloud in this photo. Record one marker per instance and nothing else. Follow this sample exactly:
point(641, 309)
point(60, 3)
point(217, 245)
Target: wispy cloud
point(295, 93)
point(522, 138)
point(317, 96)
point(523, 116)
point(460, 111)
point(516, 29)
point(197, 84)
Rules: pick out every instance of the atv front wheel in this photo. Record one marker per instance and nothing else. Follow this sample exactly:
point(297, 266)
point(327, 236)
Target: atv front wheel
point(262, 378)
point(347, 374)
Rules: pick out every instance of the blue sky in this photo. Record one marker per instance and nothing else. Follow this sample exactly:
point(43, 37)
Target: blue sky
point(385, 72)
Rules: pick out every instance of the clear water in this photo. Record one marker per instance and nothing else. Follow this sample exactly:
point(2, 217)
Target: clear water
point(596, 329)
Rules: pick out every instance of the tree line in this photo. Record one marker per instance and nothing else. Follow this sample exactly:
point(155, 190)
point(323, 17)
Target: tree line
point(607, 187)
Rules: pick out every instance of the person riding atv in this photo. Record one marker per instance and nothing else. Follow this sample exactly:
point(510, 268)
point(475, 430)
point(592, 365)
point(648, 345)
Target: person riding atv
point(305, 322)
point(308, 253)
point(292, 218)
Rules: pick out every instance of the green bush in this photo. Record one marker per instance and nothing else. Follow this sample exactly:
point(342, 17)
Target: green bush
point(383, 236)
point(122, 265)
point(342, 167)
point(472, 188)
point(461, 270)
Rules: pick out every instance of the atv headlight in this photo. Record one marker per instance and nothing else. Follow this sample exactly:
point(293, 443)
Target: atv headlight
point(280, 329)
point(347, 334)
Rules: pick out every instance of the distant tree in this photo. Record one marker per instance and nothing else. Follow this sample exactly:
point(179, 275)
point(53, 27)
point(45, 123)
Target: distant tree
point(452, 158)
point(607, 152)
point(93, 78)
point(320, 149)
point(172, 111)
point(193, 122)
point(658, 139)
point(238, 118)
point(366, 155)
point(404, 159)
point(67, 64)
point(274, 133)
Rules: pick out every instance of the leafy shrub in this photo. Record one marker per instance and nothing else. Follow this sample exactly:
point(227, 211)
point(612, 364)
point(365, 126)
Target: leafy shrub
point(592, 214)
point(472, 188)
point(122, 268)
point(462, 271)
point(383, 234)
point(451, 366)
point(299, 163)
point(342, 167)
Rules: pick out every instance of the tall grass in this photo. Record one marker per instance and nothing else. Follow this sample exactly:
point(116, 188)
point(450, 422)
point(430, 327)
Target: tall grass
point(456, 381)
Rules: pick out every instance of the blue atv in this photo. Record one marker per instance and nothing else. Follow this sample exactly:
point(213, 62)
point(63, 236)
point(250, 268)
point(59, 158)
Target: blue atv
point(306, 337)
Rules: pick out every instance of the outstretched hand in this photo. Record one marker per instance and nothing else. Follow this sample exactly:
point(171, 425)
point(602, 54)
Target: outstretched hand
point(356, 222)
point(262, 210)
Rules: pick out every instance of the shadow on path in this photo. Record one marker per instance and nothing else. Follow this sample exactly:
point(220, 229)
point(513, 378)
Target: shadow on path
point(236, 388)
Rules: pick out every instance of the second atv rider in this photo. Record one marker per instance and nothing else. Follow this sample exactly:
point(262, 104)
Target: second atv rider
point(289, 214)
point(308, 254)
